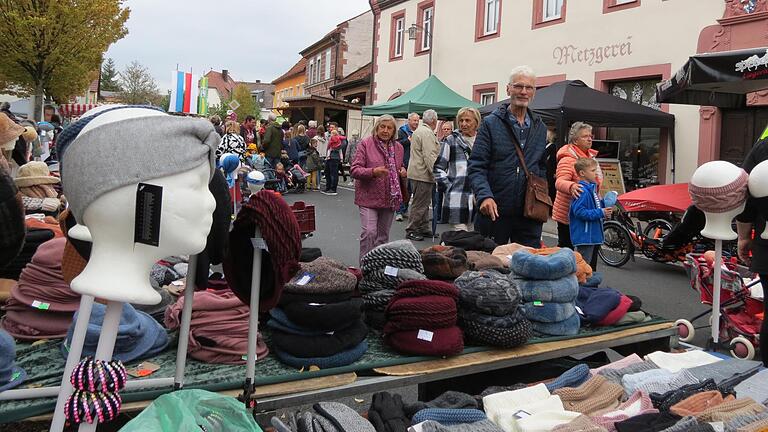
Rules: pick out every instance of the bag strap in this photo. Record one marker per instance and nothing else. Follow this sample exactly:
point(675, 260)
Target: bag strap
point(520, 154)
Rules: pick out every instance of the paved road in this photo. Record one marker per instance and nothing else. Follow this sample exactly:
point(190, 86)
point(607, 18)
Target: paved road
point(664, 289)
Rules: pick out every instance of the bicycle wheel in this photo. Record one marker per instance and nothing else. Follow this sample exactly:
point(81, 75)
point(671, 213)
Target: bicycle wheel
point(657, 229)
point(617, 247)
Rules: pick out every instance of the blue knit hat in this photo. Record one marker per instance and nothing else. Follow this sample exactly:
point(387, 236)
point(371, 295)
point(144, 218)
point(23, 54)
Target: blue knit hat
point(573, 377)
point(548, 312)
point(448, 416)
point(10, 374)
point(139, 336)
point(558, 290)
point(560, 264)
point(569, 327)
point(343, 358)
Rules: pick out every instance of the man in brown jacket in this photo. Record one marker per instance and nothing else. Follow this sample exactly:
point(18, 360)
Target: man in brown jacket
point(424, 148)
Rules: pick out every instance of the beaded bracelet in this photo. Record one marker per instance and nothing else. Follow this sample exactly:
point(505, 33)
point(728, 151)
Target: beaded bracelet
point(86, 407)
point(98, 375)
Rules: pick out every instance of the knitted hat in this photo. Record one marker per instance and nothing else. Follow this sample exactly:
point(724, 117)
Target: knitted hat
point(489, 292)
point(638, 403)
point(581, 423)
point(29, 135)
point(11, 218)
point(9, 131)
point(616, 375)
point(618, 312)
point(379, 280)
point(138, 336)
point(647, 422)
point(583, 268)
point(280, 262)
point(41, 281)
point(504, 337)
point(448, 400)
point(419, 288)
point(664, 401)
point(444, 262)
point(132, 144)
point(481, 426)
point(558, 265)
point(278, 320)
point(480, 260)
point(320, 346)
point(434, 342)
point(596, 303)
point(674, 362)
point(755, 387)
point(449, 416)
point(400, 254)
point(325, 316)
point(573, 377)
point(495, 404)
point(343, 417)
point(699, 402)
point(730, 409)
point(569, 327)
point(343, 358)
point(505, 252)
point(725, 369)
point(721, 199)
point(594, 395)
point(323, 276)
point(562, 290)
point(414, 313)
point(658, 381)
point(378, 300)
point(10, 374)
point(633, 318)
point(34, 173)
point(467, 241)
point(288, 298)
point(594, 281)
point(741, 421)
point(548, 312)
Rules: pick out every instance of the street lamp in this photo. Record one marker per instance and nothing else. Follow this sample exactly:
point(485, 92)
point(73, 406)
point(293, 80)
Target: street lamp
point(412, 35)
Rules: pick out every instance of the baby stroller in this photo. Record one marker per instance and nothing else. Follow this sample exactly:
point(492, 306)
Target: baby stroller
point(741, 304)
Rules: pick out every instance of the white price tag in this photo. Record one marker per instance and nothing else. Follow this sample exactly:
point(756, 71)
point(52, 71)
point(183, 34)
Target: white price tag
point(259, 243)
point(390, 271)
point(578, 309)
point(177, 283)
point(40, 305)
point(425, 335)
point(304, 280)
point(316, 304)
point(416, 428)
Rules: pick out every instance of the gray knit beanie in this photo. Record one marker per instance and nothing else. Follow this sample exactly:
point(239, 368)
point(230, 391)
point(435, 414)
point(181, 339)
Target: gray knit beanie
point(343, 417)
point(449, 399)
point(130, 151)
point(400, 254)
point(481, 426)
point(321, 276)
point(488, 291)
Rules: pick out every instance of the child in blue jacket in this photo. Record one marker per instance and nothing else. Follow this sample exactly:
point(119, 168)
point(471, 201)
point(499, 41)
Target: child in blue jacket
point(587, 213)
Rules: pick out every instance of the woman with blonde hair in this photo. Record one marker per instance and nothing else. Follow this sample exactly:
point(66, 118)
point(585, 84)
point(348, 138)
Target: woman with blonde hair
point(232, 141)
point(378, 172)
point(450, 170)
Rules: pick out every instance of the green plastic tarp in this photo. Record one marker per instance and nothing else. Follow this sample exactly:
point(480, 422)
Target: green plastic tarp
point(429, 94)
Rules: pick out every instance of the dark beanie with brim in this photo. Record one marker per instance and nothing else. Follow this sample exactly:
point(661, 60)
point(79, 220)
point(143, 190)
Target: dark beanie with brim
point(343, 358)
point(320, 346)
point(325, 316)
point(444, 342)
point(288, 298)
point(280, 232)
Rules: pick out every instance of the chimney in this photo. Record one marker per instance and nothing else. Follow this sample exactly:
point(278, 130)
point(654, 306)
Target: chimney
point(225, 75)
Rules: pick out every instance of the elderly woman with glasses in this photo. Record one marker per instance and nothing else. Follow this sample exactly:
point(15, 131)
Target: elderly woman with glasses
point(379, 175)
point(567, 180)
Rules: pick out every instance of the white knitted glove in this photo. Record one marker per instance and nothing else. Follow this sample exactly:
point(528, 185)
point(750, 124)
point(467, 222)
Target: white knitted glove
point(51, 204)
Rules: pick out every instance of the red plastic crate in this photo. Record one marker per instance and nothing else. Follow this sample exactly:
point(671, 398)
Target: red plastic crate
point(305, 215)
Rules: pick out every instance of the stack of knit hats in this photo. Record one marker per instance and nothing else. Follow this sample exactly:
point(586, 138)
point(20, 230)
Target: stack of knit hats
point(318, 323)
point(489, 312)
point(506, 252)
point(384, 268)
point(218, 332)
point(139, 336)
point(592, 396)
point(549, 287)
point(10, 374)
point(41, 305)
point(421, 319)
point(444, 262)
point(528, 409)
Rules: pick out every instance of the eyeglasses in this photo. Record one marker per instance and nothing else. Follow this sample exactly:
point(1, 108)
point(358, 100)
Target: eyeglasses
point(520, 87)
point(587, 137)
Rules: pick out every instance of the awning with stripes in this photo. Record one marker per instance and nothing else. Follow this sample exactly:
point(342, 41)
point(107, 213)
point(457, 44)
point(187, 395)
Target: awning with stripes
point(75, 109)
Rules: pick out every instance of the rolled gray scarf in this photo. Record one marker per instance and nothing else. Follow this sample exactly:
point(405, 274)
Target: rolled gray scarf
point(131, 151)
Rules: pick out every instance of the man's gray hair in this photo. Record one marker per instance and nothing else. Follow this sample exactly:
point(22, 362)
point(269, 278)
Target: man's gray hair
point(312, 123)
point(383, 119)
point(413, 114)
point(272, 117)
point(577, 127)
point(524, 70)
point(430, 116)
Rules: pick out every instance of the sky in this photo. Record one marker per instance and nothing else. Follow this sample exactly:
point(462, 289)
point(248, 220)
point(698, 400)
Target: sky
point(253, 39)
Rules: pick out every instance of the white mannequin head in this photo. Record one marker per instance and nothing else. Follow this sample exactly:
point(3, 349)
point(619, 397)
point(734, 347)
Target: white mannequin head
point(256, 181)
point(718, 174)
point(758, 187)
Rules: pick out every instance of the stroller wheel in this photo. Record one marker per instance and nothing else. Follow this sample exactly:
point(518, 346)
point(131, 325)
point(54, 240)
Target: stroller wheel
point(742, 348)
point(685, 330)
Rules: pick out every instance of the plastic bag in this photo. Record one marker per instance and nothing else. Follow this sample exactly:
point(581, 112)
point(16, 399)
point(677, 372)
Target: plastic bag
point(193, 410)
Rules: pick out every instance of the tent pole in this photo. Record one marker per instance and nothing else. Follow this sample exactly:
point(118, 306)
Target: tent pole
point(671, 132)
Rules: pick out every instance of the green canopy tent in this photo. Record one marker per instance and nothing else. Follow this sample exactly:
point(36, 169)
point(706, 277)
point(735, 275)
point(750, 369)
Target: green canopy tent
point(429, 94)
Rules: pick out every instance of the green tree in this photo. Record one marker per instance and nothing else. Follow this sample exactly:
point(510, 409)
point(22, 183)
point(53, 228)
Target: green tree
point(248, 106)
point(220, 110)
point(109, 76)
point(52, 47)
point(138, 86)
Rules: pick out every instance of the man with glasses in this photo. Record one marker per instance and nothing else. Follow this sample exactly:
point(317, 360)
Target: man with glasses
point(498, 179)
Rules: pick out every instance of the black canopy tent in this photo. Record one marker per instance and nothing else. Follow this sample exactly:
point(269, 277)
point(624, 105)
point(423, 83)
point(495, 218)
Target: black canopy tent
point(717, 79)
point(566, 102)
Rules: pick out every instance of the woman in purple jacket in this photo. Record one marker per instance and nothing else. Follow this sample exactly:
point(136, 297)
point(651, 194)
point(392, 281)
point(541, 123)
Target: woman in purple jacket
point(378, 170)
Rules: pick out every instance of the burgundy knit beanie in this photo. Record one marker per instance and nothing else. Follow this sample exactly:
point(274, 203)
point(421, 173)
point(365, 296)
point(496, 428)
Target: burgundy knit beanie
point(280, 263)
point(418, 288)
point(721, 199)
point(414, 313)
point(436, 342)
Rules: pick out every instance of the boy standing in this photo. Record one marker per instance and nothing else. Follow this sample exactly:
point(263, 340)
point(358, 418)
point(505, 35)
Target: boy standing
point(587, 213)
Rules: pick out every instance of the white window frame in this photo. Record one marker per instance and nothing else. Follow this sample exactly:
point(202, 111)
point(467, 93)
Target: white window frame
point(491, 18)
point(328, 63)
point(399, 36)
point(551, 10)
point(318, 68)
point(428, 17)
point(311, 72)
point(486, 95)
point(622, 2)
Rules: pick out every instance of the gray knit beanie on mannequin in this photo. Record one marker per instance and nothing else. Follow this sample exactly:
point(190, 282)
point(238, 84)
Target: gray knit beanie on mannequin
point(130, 151)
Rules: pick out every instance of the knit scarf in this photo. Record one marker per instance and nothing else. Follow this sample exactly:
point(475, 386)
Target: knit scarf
point(39, 191)
point(395, 196)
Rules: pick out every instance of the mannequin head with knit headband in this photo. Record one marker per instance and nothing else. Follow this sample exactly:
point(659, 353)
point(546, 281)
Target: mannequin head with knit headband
point(719, 189)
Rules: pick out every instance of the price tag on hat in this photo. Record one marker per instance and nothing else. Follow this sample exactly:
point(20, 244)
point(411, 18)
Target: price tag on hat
point(580, 312)
point(391, 271)
point(538, 303)
point(304, 279)
point(259, 243)
point(425, 335)
point(521, 414)
point(37, 304)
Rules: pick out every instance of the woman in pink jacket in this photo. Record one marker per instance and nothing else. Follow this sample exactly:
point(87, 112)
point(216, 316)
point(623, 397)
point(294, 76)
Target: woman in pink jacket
point(378, 170)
